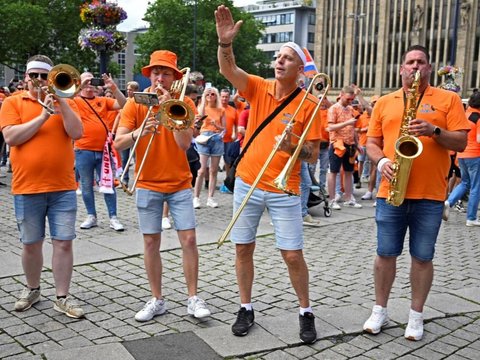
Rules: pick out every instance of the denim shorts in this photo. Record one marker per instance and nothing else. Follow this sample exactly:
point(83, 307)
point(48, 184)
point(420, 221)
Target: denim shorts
point(214, 145)
point(363, 157)
point(336, 162)
point(422, 218)
point(59, 207)
point(150, 210)
point(285, 212)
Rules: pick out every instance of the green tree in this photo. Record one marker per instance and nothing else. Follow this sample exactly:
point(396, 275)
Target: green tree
point(171, 27)
point(48, 27)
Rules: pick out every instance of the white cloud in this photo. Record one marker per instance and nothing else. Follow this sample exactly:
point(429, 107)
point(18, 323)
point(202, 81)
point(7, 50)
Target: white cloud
point(136, 9)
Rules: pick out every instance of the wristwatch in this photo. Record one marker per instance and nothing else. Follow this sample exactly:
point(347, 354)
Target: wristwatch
point(436, 131)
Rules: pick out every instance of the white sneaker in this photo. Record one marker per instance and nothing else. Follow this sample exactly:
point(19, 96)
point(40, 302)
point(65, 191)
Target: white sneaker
point(334, 205)
point(196, 203)
point(475, 222)
point(414, 330)
point(90, 221)
point(212, 203)
point(353, 204)
point(377, 320)
point(115, 224)
point(338, 197)
point(152, 308)
point(197, 307)
point(367, 196)
point(446, 210)
point(166, 223)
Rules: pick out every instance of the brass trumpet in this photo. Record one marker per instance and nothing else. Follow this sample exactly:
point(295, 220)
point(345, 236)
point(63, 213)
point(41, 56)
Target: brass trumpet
point(281, 181)
point(173, 114)
point(63, 80)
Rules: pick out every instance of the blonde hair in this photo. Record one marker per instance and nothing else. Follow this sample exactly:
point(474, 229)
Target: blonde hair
point(201, 106)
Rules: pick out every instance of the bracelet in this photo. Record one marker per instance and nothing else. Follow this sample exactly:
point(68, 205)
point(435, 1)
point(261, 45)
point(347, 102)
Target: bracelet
point(381, 163)
point(133, 137)
point(224, 45)
point(383, 157)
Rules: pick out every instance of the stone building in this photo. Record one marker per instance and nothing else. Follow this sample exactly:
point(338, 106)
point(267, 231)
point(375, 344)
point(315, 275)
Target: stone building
point(362, 41)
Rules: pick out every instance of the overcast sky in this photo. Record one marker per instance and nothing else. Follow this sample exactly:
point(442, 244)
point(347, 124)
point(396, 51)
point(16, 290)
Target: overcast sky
point(136, 8)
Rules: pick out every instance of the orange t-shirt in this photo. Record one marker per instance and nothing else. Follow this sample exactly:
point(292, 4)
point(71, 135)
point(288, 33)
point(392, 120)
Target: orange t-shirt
point(337, 113)
point(231, 120)
point(94, 133)
point(260, 94)
point(323, 124)
point(362, 123)
point(213, 114)
point(442, 108)
point(44, 163)
point(473, 147)
point(166, 167)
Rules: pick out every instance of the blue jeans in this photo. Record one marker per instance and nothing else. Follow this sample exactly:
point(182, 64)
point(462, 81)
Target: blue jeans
point(150, 209)
point(284, 211)
point(470, 170)
point(125, 154)
point(422, 218)
point(305, 184)
point(324, 163)
point(31, 210)
point(87, 162)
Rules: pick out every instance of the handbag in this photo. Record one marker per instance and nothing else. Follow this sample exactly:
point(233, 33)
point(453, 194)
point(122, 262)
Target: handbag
point(203, 139)
point(229, 181)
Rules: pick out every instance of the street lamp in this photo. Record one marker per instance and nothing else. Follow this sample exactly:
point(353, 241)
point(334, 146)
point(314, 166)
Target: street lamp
point(355, 18)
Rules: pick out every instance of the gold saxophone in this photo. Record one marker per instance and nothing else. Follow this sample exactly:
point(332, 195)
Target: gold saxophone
point(407, 148)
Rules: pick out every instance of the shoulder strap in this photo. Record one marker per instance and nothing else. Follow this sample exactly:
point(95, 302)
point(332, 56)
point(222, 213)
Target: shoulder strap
point(266, 122)
point(98, 116)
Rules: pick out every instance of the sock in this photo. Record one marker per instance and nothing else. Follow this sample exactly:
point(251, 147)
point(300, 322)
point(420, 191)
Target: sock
point(61, 297)
point(304, 310)
point(248, 306)
point(192, 298)
point(416, 314)
point(37, 288)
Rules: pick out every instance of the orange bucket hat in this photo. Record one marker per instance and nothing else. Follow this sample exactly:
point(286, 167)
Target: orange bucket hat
point(162, 58)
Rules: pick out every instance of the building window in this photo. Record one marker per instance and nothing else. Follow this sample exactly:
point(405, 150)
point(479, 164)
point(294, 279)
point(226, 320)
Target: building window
point(311, 19)
point(311, 37)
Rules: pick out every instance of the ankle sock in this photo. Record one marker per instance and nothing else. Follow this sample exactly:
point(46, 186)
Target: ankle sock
point(248, 306)
point(304, 310)
point(61, 297)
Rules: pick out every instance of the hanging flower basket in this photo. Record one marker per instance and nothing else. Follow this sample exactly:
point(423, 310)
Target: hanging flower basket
point(451, 73)
point(102, 14)
point(100, 39)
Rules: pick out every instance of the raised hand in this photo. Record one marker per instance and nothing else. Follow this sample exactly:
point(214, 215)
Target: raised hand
point(227, 29)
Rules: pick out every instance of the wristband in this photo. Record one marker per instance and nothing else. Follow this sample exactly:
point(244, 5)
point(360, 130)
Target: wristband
point(224, 45)
point(133, 137)
point(381, 163)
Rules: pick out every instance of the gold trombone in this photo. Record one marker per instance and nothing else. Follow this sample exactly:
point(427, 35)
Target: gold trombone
point(63, 80)
point(321, 82)
point(174, 114)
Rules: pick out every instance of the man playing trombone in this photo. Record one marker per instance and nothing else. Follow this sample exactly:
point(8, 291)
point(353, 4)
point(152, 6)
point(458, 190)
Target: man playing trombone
point(165, 176)
point(40, 133)
point(285, 211)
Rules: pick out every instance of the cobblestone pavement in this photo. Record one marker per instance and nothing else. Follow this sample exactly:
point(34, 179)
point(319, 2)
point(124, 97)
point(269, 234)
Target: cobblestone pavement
point(112, 287)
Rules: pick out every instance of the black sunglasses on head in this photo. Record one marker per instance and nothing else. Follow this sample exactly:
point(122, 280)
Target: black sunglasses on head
point(34, 75)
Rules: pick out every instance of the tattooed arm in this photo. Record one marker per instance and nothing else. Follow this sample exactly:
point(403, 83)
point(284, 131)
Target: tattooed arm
point(226, 31)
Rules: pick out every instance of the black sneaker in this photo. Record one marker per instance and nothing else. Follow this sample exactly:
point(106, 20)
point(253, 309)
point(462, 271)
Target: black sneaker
point(308, 333)
point(245, 320)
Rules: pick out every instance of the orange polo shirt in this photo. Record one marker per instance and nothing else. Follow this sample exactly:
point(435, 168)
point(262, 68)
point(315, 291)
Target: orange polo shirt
point(473, 147)
point(260, 94)
point(231, 120)
point(166, 167)
point(44, 163)
point(94, 133)
point(442, 108)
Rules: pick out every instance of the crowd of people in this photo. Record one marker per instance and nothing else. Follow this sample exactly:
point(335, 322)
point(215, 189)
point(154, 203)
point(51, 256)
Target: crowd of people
point(351, 140)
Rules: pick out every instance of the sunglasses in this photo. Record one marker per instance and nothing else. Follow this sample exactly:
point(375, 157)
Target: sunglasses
point(34, 75)
point(210, 94)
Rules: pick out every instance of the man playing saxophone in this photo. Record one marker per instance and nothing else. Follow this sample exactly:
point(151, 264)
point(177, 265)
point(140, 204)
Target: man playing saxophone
point(165, 178)
point(440, 124)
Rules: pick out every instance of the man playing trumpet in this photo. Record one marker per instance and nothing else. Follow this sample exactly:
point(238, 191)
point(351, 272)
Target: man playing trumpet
point(165, 177)
point(264, 96)
point(43, 185)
